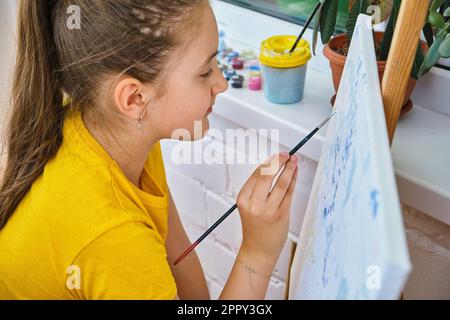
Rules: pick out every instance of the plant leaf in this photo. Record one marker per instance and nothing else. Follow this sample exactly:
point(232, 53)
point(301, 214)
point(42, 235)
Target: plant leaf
point(428, 33)
point(436, 20)
point(359, 6)
point(444, 49)
point(418, 61)
point(432, 56)
point(435, 5)
point(447, 12)
point(328, 16)
point(316, 28)
point(389, 32)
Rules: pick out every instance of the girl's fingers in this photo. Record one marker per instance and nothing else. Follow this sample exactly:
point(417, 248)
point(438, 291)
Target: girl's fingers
point(283, 183)
point(265, 175)
point(287, 200)
point(247, 189)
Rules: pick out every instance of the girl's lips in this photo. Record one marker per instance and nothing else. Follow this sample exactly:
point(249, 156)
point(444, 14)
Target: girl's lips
point(210, 110)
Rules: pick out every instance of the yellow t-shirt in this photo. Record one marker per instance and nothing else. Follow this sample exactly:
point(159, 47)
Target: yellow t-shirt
point(84, 231)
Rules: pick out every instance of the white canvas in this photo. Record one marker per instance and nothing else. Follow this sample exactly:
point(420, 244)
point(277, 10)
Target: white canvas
point(352, 244)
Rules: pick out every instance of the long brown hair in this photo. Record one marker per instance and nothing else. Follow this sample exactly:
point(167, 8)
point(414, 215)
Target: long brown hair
point(115, 36)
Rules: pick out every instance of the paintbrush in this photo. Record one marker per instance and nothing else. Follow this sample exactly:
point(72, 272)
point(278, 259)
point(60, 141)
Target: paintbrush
point(215, 225)
point(308, 22)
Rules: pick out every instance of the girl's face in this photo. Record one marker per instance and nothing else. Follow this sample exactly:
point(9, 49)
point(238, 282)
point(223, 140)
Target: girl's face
point(192, 82)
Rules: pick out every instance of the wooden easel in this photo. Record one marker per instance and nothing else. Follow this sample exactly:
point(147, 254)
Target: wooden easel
point(409, 26)
point(400, 61)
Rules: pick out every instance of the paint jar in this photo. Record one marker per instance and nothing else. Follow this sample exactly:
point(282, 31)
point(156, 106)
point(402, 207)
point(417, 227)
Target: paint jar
point(222, 67)
point(237, 63)
point(223, 55)
point(252, 63)
point(237, 81)
point(228, 74)
point(248, 54)
point(231, 55)
point(284, 73)
point(255, 83)
point(254, 71)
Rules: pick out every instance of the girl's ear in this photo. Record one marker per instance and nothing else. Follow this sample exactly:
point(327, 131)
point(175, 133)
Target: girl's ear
point(129, 97)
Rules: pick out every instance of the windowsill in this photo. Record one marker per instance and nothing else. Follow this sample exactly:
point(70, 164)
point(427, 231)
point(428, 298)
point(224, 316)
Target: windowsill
point(421, 148)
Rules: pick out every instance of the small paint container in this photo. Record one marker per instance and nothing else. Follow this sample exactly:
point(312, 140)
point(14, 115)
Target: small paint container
point(222, 67)
point(237, 63)
point(232, 55)
point(228, 74)
point(223, 54)
point(284, 73)
point(252, 63)
point(255, 83)
point(248, 54)
point(254, 71)
point(237, 81)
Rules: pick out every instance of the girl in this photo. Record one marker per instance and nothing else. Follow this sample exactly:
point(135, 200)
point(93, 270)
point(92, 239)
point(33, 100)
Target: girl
point(85, 211)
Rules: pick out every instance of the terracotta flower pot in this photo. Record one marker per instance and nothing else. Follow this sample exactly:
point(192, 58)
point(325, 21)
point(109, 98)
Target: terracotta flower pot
point(337, 62)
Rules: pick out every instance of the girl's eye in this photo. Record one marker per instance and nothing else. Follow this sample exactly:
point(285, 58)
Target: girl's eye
point(206, 75)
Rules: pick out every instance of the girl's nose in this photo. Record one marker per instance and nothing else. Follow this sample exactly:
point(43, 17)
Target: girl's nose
point(221, 86)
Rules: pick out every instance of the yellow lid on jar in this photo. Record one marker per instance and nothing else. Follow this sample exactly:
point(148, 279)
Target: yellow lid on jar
point(275, 52)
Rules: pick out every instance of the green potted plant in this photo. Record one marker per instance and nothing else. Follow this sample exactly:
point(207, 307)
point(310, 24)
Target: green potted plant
point(336, 47)
point(437, 33)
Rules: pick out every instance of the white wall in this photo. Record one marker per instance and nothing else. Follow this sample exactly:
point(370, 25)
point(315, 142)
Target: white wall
point(7, 27)
point(7, 41)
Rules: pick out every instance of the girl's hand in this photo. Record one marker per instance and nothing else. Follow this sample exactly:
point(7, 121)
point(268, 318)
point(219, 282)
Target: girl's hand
point(265, 214)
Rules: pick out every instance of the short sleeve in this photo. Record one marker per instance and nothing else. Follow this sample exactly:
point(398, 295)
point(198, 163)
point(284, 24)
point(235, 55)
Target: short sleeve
point(128, 262)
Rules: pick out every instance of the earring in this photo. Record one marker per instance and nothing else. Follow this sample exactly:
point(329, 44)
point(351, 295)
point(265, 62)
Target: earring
point(141, 117)
point(140, 125)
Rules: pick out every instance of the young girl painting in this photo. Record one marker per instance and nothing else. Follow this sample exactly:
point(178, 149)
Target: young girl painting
point(85, 210)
